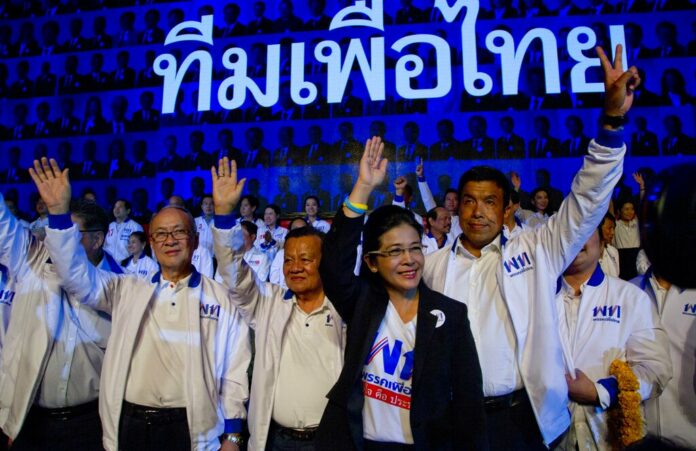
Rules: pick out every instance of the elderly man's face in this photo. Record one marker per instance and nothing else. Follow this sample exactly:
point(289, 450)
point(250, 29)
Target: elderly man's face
point(301, 264)
point(173, 254)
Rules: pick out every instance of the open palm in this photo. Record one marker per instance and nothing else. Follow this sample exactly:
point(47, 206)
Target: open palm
point(53, 185)
point(373, 168)
point(226, 189)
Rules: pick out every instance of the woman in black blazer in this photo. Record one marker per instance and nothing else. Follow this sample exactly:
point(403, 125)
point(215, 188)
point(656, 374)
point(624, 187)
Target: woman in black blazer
point(411, 378)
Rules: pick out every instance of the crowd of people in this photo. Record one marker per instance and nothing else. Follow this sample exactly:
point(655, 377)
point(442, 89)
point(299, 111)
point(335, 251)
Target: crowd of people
point(482, 325)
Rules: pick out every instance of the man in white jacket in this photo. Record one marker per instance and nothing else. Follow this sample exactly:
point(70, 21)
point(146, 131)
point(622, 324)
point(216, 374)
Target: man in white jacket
point(300, 338)
point(53, 349)
point(508, 285)
point(602, 319)
point(120, 230)
point(175, 371)
point(673, 414)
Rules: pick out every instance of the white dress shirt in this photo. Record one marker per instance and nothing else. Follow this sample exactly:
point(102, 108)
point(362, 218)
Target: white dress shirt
point(473, 281)
point(627, 235)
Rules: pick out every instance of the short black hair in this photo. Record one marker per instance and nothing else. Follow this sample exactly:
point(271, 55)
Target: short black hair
point(608, 216)
point(253, 201)
point(305, 231)
point(250, 227)
point(486, 174)
point(273, 207)
point(92, 215)
point(316, 199)
point(126, 203)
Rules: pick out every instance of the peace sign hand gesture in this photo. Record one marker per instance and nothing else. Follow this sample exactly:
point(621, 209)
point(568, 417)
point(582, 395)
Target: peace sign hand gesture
point(618, 85)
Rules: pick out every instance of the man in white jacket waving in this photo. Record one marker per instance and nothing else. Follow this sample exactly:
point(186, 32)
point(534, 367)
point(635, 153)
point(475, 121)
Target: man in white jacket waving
point(508, 285)
point(300, 337)
point(174, 374)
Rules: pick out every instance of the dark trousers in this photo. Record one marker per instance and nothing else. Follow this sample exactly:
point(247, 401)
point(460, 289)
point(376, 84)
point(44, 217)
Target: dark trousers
point(71, 429)
point(144, 428)
point(513, 428)
point(369, 445)
point(280, 441)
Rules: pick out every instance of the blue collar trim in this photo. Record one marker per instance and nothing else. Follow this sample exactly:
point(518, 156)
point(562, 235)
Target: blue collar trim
point(194, 281)
point(113, 265)
point(595, 279)
point(288, 295)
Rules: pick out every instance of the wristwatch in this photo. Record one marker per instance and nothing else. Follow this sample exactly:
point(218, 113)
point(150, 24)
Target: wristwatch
point(613, 121)
point(234, 438)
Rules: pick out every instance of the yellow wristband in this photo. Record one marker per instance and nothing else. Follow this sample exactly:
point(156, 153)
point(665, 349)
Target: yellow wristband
point(356, 205)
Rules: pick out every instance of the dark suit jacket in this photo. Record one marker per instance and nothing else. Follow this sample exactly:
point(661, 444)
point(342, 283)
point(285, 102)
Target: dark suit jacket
point(550, 148)
point(143, 169)
point(170, 163)
point(123, 78)
point(444, 151)
point(512, 147)
point(151, 123)
point(260, 26)
point(199, 160)
point(446, 411)
point(581, 147)
point(119, 169)
point(14, 175)
point(644, 143)
point(232, 153)
point(419, 151)
point(262, 158)
point(319, 155)
point(71, 126)
point(88, 170)
point(481, 148)
point(45, 85)
point(679, 145)
point(293, 157)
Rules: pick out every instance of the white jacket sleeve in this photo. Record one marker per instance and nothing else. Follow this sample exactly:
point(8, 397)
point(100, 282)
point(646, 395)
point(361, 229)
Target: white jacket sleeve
point(15, 240)
point(234, 390)
point(78, 276)
point(566, 232)
point(276, 275)
point(647, 349)
point(247, 293)
point(426, 195)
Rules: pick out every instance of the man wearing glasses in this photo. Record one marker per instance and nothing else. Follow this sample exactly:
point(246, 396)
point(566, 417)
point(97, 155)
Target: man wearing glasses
point(53, 349)
point(175, 371)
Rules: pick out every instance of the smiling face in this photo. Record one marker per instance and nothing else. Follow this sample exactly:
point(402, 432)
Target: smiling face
point(627, 212)
point(135, 246)
point(401, 273)
point(269, 217)
point(173, 254)
point(301, 265)
point(541, 201)
point(311, 207)
point(481, 214)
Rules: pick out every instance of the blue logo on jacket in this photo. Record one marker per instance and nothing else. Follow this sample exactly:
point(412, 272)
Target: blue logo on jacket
point(611, 313)
point(689, 309)
point(211, 311)
point(518, 264)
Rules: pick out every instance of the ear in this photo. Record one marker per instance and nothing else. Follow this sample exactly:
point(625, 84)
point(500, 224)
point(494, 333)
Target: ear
point(370, 264)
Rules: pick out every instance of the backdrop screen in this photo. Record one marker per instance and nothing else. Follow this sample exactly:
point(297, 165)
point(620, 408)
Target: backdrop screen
point(139, 98)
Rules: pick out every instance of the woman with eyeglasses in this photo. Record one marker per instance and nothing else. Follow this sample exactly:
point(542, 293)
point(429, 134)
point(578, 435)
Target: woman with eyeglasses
point(411, 378)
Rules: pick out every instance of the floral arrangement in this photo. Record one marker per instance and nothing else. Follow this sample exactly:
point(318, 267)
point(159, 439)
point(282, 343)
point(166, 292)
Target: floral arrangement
point(625, 420)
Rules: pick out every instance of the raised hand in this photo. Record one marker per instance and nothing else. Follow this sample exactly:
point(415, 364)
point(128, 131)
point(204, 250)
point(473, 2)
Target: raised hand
point(53, 185)
point(373, 168)
point(226, 189)
point(618, 85)
point(420, 173)
point(516, 180)
point(638, 178)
